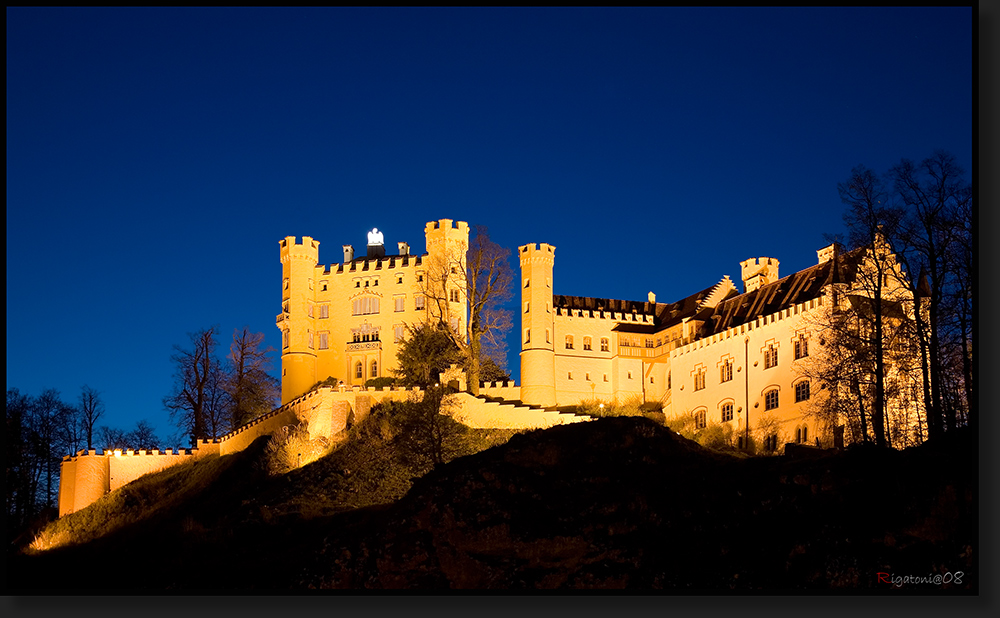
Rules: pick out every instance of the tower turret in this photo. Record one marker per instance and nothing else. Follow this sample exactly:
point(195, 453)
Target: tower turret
point(444, 276)
point(298, 355)
point(758, 272)
point(538, 377)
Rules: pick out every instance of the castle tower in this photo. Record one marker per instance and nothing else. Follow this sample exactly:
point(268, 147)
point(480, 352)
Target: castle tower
point(298, 355)
point(538, 376)
point(444, 273)
point(758, 272)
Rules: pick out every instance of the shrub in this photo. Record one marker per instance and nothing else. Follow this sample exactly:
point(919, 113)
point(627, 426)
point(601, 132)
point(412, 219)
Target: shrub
point(291, 448)
point(381, 382)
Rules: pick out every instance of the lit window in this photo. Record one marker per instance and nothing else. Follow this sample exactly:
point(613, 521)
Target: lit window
point(801, 347)
point(586, 343)
point(726, 370)
point(324, 341)
point(771, 399)
point(400, 302)
point(770, 357)
point(374, 369)
point(359, 371)
point(802, 391)
point(727, 412)
point(699, 380)
point(569, 342)
point(604, 344)
point(365, 305)
point(699, 419)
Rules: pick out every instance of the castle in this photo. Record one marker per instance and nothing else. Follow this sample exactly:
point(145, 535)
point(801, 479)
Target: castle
point(724, 356)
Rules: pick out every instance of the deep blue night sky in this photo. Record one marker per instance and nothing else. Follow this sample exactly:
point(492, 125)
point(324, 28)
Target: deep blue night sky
point(155, 157)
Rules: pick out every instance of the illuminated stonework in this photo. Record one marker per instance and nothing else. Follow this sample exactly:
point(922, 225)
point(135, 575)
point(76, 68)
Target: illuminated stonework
point(716, 354)
point(344, 321)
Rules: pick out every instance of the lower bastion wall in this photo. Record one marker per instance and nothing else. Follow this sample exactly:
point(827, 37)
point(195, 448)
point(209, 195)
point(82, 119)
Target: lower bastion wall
point(324, 412)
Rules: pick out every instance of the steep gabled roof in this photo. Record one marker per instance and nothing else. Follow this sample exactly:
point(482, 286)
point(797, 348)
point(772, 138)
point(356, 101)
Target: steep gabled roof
point(802, 286)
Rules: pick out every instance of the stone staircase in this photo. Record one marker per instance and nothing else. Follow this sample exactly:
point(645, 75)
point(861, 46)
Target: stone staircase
point(484, 413)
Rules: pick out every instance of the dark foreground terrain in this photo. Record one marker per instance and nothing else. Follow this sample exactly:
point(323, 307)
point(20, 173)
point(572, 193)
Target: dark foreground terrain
point(616, 503)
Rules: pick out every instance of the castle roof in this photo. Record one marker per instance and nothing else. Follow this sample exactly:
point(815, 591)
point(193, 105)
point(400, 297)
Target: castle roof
point(798, 287)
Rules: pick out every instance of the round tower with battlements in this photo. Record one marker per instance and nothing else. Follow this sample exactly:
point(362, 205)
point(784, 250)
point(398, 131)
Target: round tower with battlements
point(538, 378)
point(298, 354)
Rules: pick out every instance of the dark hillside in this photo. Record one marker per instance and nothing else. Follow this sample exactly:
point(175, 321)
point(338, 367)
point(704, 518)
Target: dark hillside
point(615, 503)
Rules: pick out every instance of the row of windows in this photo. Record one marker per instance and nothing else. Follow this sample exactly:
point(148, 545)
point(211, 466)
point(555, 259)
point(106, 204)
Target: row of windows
point(359, 369)
point(587, 343)
point(770, 403)
point(569, 376)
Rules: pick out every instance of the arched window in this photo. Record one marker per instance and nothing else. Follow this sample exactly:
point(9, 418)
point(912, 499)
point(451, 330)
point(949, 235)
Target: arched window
point(771, 399)
point(727, 412)
point(604, 344)
point(374, 368)
point(359, 370)
point(586, 343)
point(802, 391)
point(699, 419)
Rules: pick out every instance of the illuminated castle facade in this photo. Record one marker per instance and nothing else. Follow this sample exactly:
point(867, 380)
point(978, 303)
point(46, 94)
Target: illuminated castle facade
point(344, 321)
point(725, 356)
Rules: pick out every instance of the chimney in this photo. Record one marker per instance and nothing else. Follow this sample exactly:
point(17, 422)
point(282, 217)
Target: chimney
point(348, 254)
point(652, 297)
point(404, 248)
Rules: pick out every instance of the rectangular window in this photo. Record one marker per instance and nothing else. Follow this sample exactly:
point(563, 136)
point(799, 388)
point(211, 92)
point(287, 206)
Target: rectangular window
point(400, 302)
point(284, 338)
point(527, 307)
point(649, 342)
point(726, 371)
point(699, 419)
point(801, 347)
point(309, 310)
point(569, 342)
point(365, 305)
point(310, 335)
point(604, 344)
point(324, 341)
point(586, 343)
point(770, 357)
point(454, 296)
point(527, 282)
point(527, 335)
point(699, 380)
point(397, 332)
point(419, 300)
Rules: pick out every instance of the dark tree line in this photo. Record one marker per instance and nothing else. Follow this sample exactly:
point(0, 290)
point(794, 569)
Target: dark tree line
point(211, 396)
point(40, 431)
point(913, 322)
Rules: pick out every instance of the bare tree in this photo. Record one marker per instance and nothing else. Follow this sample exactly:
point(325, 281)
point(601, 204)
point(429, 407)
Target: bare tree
point(936, 238)
point(142, 437)
point(482, 277)
point(252, 391)
point(91, 410)
point(194, 400)
point(869, 218)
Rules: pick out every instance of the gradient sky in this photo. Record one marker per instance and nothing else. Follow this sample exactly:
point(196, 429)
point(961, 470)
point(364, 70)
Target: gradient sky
point(155, 157)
